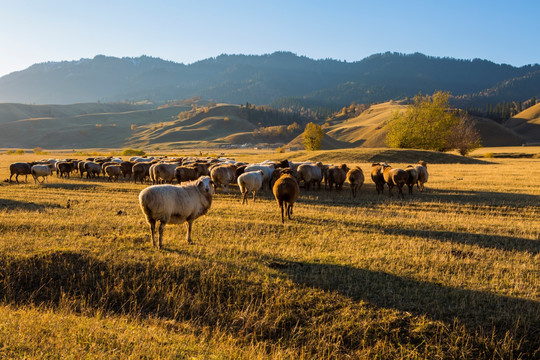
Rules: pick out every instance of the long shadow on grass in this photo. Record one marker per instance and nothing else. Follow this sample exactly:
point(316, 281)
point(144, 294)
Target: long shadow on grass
point(508, 243)
point(476, 309)
point(218, 293)
point(10, 204)
point(368, 197)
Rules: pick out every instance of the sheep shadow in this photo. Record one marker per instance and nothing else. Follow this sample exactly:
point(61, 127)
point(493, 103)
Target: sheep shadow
point(499, 242)
point(477, 310)
point(13, 205)
point(70, 186)
point(471, 197)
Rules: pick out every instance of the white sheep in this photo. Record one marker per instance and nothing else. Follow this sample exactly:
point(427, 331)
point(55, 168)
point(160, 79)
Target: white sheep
point(267, 169)
point(172, 204)
point(41, 170)
point(250, 182)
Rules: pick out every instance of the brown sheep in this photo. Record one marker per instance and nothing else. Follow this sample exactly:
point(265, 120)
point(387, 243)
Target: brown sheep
point(412, 179)
point(223, 175)
point(113, 171)
point(421, 169)
point(20, 168)
point(127, 168)
point(141, 171)
point(394, 177)
point(336, 175)
point(355, 177)
point(377, 177)
point(286, 191)
point(187, 173)
point(64, 168)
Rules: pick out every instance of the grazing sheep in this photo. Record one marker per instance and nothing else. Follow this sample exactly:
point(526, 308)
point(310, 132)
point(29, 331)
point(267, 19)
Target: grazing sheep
point(355, 177)
point(105, 164)
point(421, 169)
point(250, 182)
point(412, 179)
point(162, 172)
point(141, 171)
point(187, 173)
point(127, 168)
point(286, 191)
point(113, 171)
point(20, 168)
point(394, 177)
point(82, 168)
point(267, 170)
point(377, 177)
point(41, 171)
point(92, 169)
point(336, 175)
point(64, 168)
point(311, 174)
point(171, 204)
point(223, 175)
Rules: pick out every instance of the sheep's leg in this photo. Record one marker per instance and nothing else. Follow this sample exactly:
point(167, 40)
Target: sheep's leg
point(160, 237)
point(244, 197)
point(289, 211)
point(254, 192)
point(281, 208)
point(390, 187)
point(153, 231)
point(400, 188)
point(188, 236)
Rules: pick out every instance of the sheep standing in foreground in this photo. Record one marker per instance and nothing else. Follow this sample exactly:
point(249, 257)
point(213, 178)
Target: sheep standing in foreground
point(421, 169)
point(286, 191)
point(355, 177)
point(171, 204)
point(394, 177)
point(412, 179)
point(20, 168)
point(250, 182)
point(41, 171)
point(377, 177)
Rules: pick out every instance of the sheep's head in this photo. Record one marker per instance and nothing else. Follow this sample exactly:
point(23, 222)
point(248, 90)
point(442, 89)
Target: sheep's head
point(423, 163)
point(206, 185)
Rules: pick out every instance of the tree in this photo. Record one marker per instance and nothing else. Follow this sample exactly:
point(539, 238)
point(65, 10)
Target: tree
point(464, 136)
point(312, 136)
point(426, 124)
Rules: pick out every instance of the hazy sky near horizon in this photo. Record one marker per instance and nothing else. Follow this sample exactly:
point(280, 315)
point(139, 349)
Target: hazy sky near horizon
point(187, 31)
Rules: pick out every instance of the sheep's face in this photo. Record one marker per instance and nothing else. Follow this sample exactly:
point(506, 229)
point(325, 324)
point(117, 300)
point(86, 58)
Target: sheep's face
point(206, 185)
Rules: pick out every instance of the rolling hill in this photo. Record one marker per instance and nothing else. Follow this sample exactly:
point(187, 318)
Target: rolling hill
point(527, 124)
point(187, 125)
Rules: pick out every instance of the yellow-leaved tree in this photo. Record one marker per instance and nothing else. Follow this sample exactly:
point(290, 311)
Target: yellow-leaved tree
point(312, 137)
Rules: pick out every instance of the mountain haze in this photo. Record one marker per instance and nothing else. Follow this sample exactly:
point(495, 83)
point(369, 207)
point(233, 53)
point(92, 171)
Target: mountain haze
point(266, 79)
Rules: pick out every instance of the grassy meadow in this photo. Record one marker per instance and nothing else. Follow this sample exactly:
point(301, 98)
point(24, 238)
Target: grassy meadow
point(453, 272)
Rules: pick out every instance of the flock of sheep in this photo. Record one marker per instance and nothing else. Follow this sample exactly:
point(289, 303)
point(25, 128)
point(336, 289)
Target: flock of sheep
point(198, 178)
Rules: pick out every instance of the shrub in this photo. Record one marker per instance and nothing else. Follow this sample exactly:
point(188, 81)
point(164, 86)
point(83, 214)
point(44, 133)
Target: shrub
point(132, 152)
point(19, 152)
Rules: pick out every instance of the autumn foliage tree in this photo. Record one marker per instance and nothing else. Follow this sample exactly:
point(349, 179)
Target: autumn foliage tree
point(312, 137)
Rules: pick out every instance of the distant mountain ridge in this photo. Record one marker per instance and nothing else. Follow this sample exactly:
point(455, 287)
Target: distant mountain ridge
point(266, 79)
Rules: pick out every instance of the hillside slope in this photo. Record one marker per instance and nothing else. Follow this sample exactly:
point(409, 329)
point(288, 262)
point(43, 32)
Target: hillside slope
point(527, 124)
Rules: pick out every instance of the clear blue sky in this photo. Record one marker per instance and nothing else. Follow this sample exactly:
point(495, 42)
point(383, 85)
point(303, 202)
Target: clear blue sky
point(187, 31)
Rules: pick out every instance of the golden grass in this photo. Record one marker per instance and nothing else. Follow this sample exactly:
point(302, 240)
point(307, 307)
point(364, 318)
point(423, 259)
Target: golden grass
point(449, 273)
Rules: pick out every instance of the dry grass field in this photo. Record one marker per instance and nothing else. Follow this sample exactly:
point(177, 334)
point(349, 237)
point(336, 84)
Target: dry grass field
point(453, 272)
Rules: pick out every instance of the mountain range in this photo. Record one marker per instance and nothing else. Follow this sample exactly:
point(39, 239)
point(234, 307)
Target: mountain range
point(278, 79)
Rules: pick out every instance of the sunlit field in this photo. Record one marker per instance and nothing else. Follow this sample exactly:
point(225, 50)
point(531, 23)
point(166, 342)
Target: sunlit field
point(453, 272)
